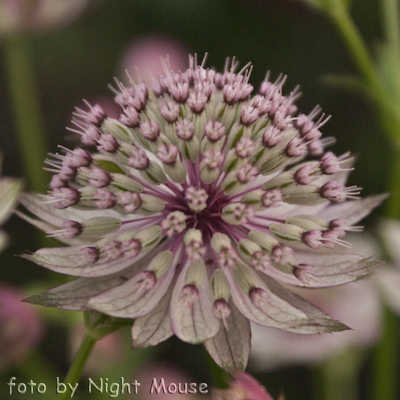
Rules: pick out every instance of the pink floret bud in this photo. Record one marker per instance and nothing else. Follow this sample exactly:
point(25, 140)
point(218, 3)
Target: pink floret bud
point(65, 197)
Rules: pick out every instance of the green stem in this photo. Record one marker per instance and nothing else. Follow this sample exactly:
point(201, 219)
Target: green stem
point(393, 203)
point(26, 109)
point(385, 378)
point(339, 376)
point(79, 362)
point(389, 111)
point(356, 47)
point(390, 13)
point(385, 372)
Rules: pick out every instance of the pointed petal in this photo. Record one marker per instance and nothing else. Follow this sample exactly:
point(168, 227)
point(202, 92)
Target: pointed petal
point(280, 308)
point(37, 206)
point(47, 218)
point(74, 295)
point(277, 313)
point(317, 321)
point(193, 322)
point(66, 261)
point(136, 297)
point(154, 327)
point(230, 348)
point(43, 226)
point(328, 269)
point(336, 269)
point(352, 211)
point(46, 226)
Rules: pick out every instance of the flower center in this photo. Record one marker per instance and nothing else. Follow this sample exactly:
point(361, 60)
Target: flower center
point(204, 208)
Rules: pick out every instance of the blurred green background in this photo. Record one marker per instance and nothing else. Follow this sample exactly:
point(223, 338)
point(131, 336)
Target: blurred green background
point(282, 36)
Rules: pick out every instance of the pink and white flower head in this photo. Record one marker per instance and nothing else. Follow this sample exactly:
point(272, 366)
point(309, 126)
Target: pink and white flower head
point(20, 327)
point(243, 387)
point(25, 16)
point(197, 218)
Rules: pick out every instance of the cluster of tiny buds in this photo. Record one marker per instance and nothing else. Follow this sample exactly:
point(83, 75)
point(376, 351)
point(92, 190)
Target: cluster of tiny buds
point(66, 166)
point(111, 250)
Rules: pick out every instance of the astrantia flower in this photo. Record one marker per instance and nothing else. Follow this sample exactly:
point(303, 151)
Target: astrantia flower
point(186, 212)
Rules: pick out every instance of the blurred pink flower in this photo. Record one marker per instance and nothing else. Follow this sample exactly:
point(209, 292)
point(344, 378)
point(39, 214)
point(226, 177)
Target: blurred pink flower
point(25, 16)
point(20, 327)
point(142, 58)
point(244, 387)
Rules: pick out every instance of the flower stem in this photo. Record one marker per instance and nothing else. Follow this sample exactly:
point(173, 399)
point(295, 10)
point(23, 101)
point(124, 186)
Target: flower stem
point(356, 46)
point(386, 365)
point(358, 50)
point(384, 385)
point(340, 375)
point(393, 205)
point(26, 109)
point(82, 355)
point(390, 13)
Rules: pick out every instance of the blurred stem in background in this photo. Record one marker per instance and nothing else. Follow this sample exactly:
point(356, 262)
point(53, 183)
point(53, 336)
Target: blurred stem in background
point(36, 367)
point(340, 376)
point(27, 111)
point(381, 82)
